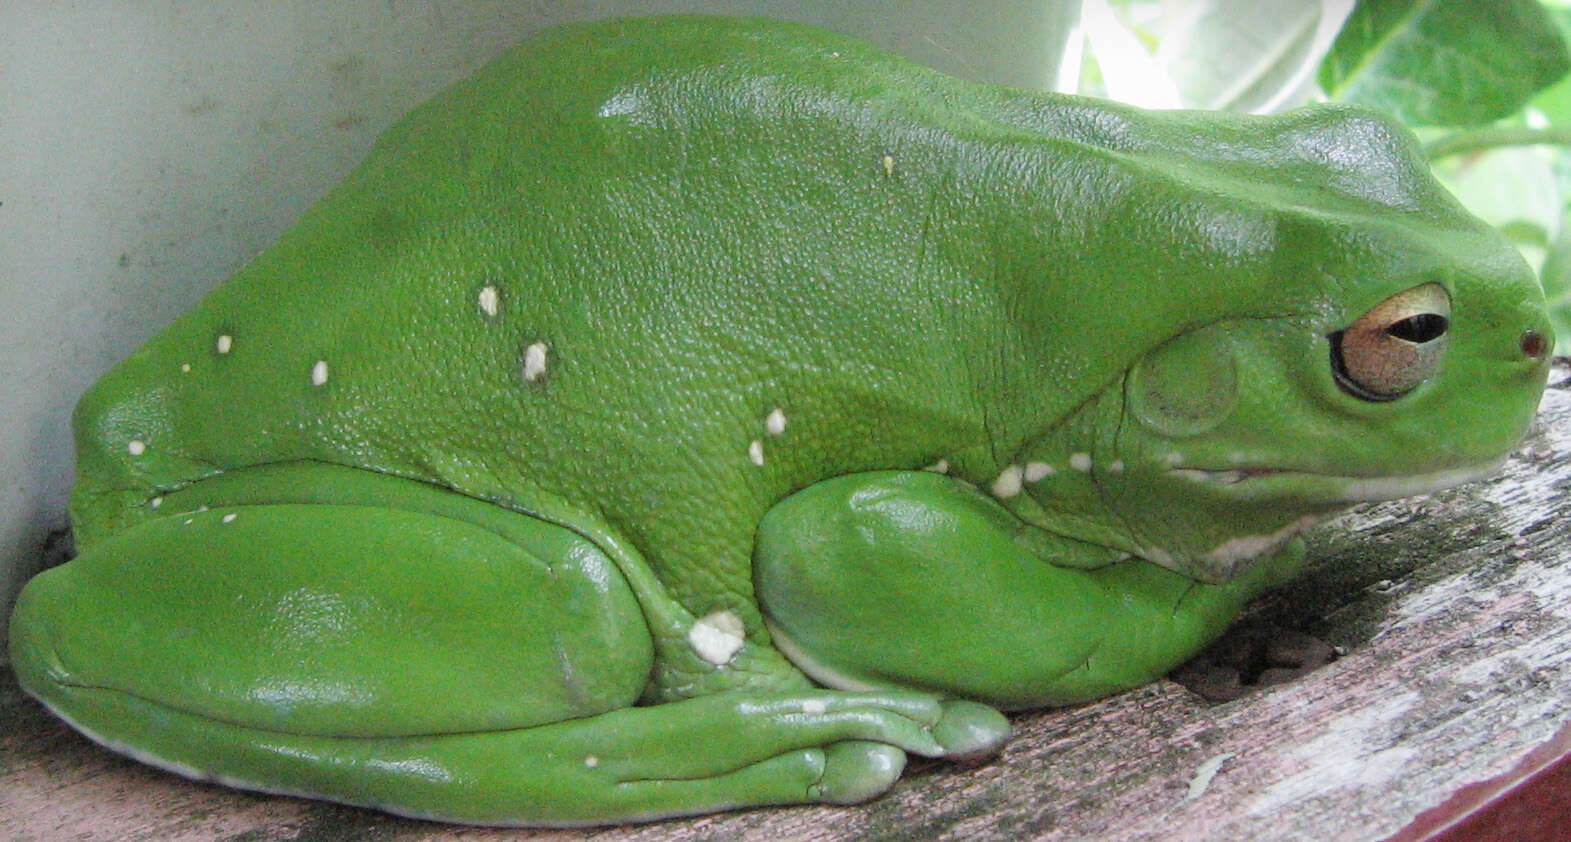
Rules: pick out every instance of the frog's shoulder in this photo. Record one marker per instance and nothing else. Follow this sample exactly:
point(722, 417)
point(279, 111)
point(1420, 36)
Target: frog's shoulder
point(1325, 158)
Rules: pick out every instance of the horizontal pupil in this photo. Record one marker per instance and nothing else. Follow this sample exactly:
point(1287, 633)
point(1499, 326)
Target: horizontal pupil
point(1424, 327)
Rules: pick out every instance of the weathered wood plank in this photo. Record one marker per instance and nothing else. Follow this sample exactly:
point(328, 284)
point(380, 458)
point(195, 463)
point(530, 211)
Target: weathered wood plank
point(1454, 612)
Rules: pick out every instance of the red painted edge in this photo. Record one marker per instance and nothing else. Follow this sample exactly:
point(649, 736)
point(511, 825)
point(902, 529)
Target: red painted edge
point(1532, 802)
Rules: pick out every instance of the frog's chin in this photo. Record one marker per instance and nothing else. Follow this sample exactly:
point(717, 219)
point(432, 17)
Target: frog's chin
point(1270, 483)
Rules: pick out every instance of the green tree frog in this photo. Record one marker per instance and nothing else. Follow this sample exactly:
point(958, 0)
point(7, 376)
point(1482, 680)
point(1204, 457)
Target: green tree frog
point(689, 413)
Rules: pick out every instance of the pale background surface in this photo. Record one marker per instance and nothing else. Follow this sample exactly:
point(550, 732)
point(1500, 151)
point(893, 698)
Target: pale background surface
point(148, 149)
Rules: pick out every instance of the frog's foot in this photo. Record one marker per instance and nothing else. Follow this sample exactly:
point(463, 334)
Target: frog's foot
point(429, 655)
point(631, 764)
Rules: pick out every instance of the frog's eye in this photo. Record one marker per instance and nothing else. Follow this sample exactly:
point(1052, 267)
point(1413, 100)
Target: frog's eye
point(1395, 346)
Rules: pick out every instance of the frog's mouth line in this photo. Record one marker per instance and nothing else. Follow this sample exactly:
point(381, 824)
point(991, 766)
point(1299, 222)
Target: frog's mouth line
point(1274, 482)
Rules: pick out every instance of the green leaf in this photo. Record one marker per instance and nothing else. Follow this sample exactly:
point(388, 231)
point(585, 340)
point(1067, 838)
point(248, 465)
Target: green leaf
point(1250, 55)
point(1445, 62)
point(1556, 278)
point(1511, 188)
point(1554, 102)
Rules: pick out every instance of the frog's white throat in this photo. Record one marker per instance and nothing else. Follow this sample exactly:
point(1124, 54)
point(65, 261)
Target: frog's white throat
point(1349, 489)
point(1391, 488)
point(1234, 555)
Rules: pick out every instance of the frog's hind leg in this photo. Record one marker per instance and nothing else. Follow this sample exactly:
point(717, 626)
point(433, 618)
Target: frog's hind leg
point(430, 655)
point(277, 623)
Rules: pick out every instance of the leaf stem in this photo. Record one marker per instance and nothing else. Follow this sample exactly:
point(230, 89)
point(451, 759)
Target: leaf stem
point(1479, 140)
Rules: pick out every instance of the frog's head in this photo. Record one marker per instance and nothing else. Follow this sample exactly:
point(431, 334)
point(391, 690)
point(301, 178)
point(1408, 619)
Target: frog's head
point(1389, 348)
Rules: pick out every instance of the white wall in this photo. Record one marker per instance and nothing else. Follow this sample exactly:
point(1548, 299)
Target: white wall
point(148, 149)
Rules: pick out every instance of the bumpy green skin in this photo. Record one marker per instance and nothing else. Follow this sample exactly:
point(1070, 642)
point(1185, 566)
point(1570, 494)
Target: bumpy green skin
point(532, 474)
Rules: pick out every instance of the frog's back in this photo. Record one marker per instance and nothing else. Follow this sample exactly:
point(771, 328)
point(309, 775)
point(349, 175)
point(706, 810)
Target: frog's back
point(520, 259)
point(622, 246)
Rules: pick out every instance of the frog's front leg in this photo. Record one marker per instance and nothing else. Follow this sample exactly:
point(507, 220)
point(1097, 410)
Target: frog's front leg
point(912, 579)
point(357, 637)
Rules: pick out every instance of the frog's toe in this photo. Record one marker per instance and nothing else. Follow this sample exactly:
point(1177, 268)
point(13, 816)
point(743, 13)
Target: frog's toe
point(971, 732)
point(855, 771)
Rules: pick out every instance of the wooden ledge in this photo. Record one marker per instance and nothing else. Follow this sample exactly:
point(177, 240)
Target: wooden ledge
point(1444, 718)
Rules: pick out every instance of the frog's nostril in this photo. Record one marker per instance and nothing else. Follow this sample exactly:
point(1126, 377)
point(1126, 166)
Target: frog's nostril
point(1534, 344)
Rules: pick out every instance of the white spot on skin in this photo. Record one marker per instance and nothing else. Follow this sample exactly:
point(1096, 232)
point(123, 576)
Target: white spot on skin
point(939, 467)
point(755, 453)
point(717, 638)
point(1158, 556)
point(490, 301)
point(776, 422)
point(1080, 461)
point(136, 447)
point(1038, 471)
point(1008, 482)
point(229, 518)
point(225, 343)
point(319, 373)
point(534, 361)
